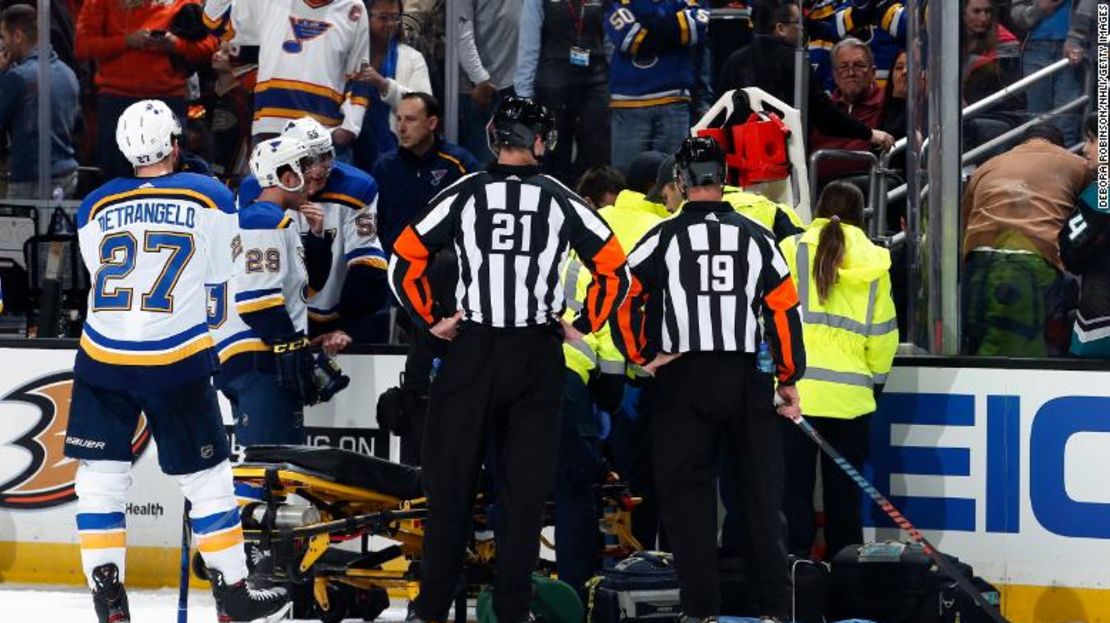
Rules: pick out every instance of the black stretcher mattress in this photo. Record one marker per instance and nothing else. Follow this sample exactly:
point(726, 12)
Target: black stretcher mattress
point(346, 468)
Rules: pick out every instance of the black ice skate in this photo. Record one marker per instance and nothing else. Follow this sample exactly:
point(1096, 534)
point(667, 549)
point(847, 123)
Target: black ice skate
point(109, 598)
point(238, 603)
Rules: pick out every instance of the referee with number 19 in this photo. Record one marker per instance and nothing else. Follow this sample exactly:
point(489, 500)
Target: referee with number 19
point(700, 282)
point(512, 229)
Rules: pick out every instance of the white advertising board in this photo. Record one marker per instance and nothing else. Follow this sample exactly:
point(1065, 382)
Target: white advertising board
point(1005, 468)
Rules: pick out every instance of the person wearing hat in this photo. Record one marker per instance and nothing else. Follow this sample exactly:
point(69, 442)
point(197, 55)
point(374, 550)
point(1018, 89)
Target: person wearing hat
point(665, 191)
point(595, 376)
point(700, 282)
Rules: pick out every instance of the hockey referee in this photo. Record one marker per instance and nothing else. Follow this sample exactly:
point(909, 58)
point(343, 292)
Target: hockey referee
point(503, 374)
point(700, 282)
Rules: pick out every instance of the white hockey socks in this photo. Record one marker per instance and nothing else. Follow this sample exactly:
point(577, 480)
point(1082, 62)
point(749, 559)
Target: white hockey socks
point(215, 520)
point(101, 488)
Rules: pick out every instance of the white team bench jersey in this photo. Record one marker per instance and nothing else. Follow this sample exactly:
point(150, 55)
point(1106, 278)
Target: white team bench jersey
point(272, 274)
point(306, 51)
point(151, 245)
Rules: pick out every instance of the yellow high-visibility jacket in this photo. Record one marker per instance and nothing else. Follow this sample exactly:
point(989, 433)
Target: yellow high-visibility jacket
point(779, 218)
point(630, 217)
point(852, 336)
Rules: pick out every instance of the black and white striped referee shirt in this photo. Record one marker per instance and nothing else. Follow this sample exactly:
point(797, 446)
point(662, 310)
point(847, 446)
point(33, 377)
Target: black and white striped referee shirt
point(700, 281)
point(512, 229)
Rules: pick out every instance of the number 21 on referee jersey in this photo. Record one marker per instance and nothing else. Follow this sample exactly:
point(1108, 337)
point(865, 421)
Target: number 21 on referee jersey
point(503, 235)
point(118, 255)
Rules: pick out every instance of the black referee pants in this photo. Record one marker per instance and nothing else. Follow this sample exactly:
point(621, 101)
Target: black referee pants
point(704, 400)
point(505, 385)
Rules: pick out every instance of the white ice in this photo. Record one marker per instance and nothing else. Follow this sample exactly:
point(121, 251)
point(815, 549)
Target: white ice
point(74, 605)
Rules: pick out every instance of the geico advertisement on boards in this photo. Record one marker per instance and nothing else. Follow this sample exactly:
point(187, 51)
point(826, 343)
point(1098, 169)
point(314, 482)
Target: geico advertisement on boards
point(1006, 469)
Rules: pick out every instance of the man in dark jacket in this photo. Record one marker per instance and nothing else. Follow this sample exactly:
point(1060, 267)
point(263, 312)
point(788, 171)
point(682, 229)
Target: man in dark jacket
point(423, 165)
point(768, 63)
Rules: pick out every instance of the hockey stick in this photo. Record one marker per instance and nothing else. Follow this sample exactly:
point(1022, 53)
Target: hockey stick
point(183, 579)
point(943, 563)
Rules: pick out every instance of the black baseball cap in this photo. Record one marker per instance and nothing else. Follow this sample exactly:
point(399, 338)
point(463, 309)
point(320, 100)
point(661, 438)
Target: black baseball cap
point(663, 176)
point(644, 170)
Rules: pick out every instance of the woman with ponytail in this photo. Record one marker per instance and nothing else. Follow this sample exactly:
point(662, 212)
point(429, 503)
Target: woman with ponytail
point(850, 336)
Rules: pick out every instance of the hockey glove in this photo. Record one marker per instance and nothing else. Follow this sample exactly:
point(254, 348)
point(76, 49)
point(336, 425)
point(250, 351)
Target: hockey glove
point(295, 368)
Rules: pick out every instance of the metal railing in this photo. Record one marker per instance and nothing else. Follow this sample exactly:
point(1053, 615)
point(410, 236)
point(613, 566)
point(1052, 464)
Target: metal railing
point(971, 110)
point(872, 179)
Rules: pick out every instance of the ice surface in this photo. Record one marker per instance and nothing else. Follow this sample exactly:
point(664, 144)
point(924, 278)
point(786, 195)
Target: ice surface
point(19, 604)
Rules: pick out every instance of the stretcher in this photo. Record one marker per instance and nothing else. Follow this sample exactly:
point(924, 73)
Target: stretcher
point(346, 530)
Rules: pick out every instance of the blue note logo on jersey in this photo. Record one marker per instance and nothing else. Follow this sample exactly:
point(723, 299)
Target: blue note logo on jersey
point(303, 30)
point(437, 177)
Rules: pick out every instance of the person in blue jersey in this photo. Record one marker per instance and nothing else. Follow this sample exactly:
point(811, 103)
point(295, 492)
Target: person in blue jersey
point(260, 319)
point(656, 47)
point(881, 24)
point(343, 308)
point(152, 243)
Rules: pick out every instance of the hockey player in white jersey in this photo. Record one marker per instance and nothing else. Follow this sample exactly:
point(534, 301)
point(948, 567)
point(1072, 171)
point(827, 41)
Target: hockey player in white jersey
point(151, 243)
point(308, 54)
point(260, 320)
point(356, 283)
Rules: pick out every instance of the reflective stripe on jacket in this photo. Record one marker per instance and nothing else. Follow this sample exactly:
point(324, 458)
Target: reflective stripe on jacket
point(852, 336)
point(630, 217)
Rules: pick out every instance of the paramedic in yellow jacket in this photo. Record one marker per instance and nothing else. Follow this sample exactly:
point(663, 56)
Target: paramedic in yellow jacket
point(851, 336)
point(595, 375)
point(779, 218)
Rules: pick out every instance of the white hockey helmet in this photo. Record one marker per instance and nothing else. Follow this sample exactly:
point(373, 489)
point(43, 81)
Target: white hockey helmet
point(145, 132)
point(271, 155)
point(312, 133)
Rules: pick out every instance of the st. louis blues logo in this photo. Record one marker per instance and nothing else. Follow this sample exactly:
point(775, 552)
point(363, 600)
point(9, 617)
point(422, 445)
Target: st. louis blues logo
point(303, 30)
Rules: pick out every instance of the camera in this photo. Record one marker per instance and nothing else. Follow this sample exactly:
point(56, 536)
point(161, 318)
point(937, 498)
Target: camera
point(330, 379)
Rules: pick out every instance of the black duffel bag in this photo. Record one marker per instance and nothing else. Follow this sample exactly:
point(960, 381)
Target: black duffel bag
point(642, 587)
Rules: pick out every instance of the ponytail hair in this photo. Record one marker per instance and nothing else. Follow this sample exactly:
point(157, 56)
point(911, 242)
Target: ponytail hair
point(840, 202)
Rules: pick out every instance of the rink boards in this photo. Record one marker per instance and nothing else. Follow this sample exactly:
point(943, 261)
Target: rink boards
point(1003, 464)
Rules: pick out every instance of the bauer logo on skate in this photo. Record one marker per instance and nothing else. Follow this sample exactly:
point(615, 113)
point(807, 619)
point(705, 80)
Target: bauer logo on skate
point(35, 474)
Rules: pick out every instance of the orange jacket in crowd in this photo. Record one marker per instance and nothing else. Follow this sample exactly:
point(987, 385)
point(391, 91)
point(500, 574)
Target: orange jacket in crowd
point(102, 26)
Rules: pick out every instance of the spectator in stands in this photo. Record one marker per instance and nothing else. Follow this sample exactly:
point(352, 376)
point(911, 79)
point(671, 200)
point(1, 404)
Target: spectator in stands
point(395, 69)
point(881, 23)
point(19, 100)
point(656, 47)
point(992, 56)
point(600, 185)
point(1085, 251)
point(1055, 29)
point(135, 47)
point(487, 55)
point(858, 96)
point(768, 63)
point(893, 120)
point(561, 61)
point(313, 58)
point(61, 30)
point(409, 177)
point(1014, 301)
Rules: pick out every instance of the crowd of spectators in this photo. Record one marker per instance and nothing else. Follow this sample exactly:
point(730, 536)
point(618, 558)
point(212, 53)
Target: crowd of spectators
point(623, 78)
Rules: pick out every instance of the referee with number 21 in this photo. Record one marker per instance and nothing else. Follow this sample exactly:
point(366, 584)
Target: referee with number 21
point(700, 282)
point(502, 379)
